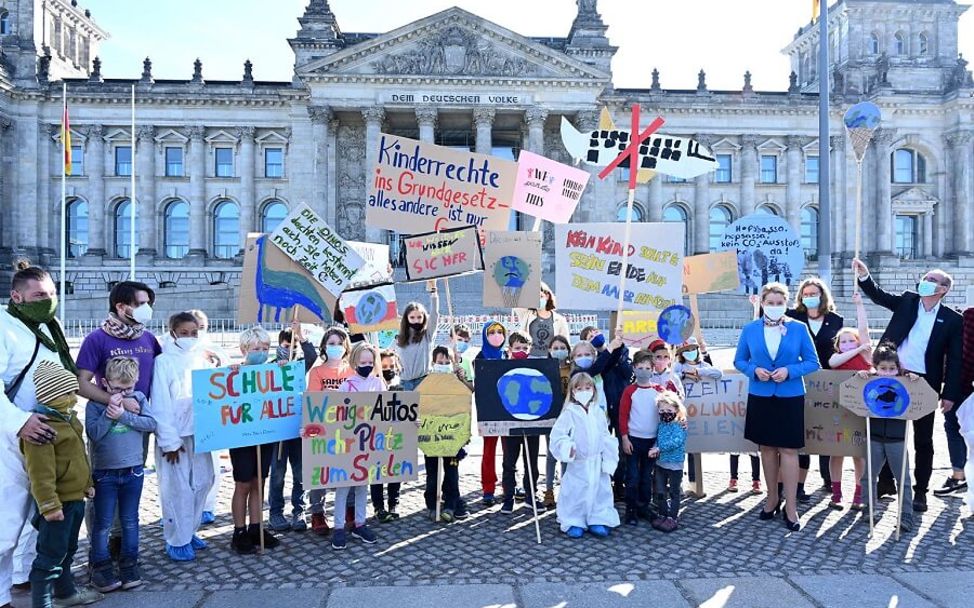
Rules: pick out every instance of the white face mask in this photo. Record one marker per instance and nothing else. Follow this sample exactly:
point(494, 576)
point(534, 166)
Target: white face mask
point(142, 314)
point(774, 313)
point(442, 368)
point(584, 397)
point(187, 344)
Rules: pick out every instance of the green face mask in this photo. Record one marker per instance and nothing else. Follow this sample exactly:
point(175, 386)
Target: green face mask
point(41, 311)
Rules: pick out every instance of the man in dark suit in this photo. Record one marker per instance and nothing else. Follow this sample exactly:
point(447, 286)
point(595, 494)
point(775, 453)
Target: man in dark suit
point(929, 341)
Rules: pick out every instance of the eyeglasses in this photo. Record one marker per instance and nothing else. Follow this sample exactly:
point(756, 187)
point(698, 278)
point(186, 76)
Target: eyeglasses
point(125, 390)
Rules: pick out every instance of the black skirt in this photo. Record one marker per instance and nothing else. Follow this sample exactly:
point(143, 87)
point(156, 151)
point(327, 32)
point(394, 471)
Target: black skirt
point(777, 422)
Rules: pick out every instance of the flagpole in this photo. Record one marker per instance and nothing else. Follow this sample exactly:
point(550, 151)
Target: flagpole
point(824, 152)
point(132, 203)
point(64, 189)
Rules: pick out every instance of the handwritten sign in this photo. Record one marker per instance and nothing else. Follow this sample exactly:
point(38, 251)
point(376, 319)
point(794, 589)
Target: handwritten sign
point(884, 397)
point(588, 262)
point(716, 412)
point(421, 187)
point(357, 439)
point(315, 246)
point(767, 248)
point(638, 327)
point(447, 253)
point(444, 412)
point(517, 397)
point(830, 429)
point(710, 272)
point(512, 269)
point(370, 309)
point(376, 268)
point(251, 406)
point(547, 189)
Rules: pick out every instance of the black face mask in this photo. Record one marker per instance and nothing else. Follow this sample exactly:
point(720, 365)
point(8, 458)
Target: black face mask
point(667, 416)
point(364, 370)
point(417, 326)
point(388, 374)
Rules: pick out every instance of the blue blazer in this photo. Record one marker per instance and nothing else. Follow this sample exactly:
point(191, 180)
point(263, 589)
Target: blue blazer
point(796, 353)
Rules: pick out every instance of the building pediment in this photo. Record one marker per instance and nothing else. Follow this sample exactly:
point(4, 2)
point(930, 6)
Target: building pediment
point(452, 44)
point(914, 201)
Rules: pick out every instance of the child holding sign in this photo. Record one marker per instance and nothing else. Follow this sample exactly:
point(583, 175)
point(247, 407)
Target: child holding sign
point(492, 347)
point(454, 507)
point(415, 341)
point(390, 374)
point(669, 452)
point(520, 345)
point(558, 350)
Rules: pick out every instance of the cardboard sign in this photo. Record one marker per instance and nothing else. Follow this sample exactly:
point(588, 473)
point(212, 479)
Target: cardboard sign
point(830, 429)
point(517, 397)
point(443, 254)
point(588, 263)
point(308, 240)
point(357, 439)
point(376, 268)
point(421, 187)
point(370, 309)
point(444, 412)
point(251, 406)
point(767, 248)
point(710, 272)
point(675, 324)
point(512, 269)
point(272, 283)
point(716, 411)
point(879, 397)
point(547, 189)
point(638, 327)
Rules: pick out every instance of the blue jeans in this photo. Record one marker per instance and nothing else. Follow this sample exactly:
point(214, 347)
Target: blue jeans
point(410, 385)
point(57, 542)
point(119, 489)
point(639, 473)
point(290, 453)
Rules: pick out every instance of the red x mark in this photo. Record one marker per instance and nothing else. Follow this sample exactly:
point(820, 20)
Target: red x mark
point(632, 151)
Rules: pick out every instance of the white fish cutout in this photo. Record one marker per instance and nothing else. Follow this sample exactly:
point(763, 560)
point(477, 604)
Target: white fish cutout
point(680, 157)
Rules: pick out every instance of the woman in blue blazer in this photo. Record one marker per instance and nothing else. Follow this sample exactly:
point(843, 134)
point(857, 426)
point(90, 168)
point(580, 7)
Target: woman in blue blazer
point(774, 352)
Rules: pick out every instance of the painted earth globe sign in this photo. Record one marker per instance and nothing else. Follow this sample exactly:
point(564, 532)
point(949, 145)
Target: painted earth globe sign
point(864, 115)
point(886, 397)
point(675, 324)
point(371, 308)
point(525, 393)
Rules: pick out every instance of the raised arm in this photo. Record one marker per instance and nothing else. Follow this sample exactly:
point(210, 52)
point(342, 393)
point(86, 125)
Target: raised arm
point(872, 290)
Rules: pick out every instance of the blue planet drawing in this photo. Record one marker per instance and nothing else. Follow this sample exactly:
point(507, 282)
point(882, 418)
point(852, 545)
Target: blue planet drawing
point(371, 308)
point(864, 115)
point(675, 324)
point(886, 397)
point(525, 393)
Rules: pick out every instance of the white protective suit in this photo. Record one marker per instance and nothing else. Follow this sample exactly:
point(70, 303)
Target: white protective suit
point(965, 417)
point(183, 486)
point(586, 487)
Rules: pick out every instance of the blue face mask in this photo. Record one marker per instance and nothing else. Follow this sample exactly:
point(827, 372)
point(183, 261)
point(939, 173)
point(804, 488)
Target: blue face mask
point(256, 357)
point(598, 341)
point(462, 346)
point(584, 362)
point(812, 303)
point(927, 288)
point(334, 351)
point(691, 355)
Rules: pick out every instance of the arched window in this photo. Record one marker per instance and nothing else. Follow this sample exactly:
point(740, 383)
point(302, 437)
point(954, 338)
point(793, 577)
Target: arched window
point(923, 44)
point(122, 247)
point(274, 213)
point(4, 22)
point(809, 231)
point(637, 213)
point(677, 213)
point(873, 44)
point(77, 227)
point(177, 229)
point(720, 218)
point(899, 42)
point(767, 210)
point(908, 167)
point(226, 230)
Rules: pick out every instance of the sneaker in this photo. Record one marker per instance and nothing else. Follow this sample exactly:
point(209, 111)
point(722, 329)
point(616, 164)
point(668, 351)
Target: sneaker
point(631, 519)
point(857, 506)
point(599, 531)
point(385, 517)
point(489, 499)
point(802, 496)
point(756, 486)
point(658, 524)
point(319, 525)
point(130, 574)
point(103, 577)
point(81, 597)
point(920, 503)
point(575, 532)
point(207, 518)
point(549, 499)
point(835, 505)
point(338, 540)
point(279, 523)
point(906, 522)
point(270, 541)
point(540, 507)
point(951, 486)
point(298, 524)
point(364, 534)
point(446, 516)
point(508, 506)
point(242, 542)
point(732, 485)
point(520, 495)
point(461, 512)
point(198, 543)
point(181, 554)
point(670, 524)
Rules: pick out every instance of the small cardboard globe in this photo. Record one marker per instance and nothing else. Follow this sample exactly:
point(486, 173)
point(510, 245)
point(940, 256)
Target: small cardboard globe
point(371, 308)
point(886, 397)
point(863, 115)
point(525, 393)
point(675, 324)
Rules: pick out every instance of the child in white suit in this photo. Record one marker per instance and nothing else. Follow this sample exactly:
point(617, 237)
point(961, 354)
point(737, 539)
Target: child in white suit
point(581, 439)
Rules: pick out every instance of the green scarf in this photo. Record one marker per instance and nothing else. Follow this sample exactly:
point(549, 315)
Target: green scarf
point(56, 342)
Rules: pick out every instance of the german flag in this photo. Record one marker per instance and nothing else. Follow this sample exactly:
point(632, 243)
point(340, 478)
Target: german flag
point(66, 140)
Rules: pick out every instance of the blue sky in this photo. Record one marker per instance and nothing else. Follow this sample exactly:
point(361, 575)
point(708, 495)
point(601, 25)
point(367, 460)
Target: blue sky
point(736, 35)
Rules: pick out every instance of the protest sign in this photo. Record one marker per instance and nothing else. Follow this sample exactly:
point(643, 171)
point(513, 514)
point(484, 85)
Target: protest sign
point(517, 397)
point(272, 283)
point(547, 189)
point(370, 309)
point(421, 187)
point(675, 324)
point(638, 327)
point(885, 397)
point(710, 272)
point(252, 405)
point(308, 240)
point(358, 439)
point(512, 269)
point(588, 262)
point(376, 268)
point(767, 248)
point(716, 412)
point(830, 429)
point(447, 253)
point(444, 413)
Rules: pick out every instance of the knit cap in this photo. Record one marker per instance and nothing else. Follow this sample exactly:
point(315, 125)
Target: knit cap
point(52, 381)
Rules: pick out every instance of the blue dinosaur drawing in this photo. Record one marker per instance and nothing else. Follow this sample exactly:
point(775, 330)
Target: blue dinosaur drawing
point(281, 290)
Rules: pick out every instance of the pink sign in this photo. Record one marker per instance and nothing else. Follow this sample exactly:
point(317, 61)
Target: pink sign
point(547, 189)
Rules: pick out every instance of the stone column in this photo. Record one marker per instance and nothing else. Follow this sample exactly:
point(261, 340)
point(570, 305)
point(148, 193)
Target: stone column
point(197, 193)
point(749, 168)
point(374, 117)
point(331, 185)
point(839, 201)
point(25, 193)
point(6, 208)
point(320, 175)
point(483, 120)
point(927, 219)
point(587, 121)
point(95, 169)
point(534, 118)
point(701, 204)
point(793, 189)
point(426, 119)
point(655, 205)
point(146, 195)
point(48, 213)
point(961, 170)
point(247, 185)
point(883, 200)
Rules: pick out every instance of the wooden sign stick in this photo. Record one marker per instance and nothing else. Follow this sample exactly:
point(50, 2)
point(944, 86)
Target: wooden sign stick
point(858, 244)
point(290, 357)
point(869, 475)
point(439, 485)
point(532, 496)
point(695, 309)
